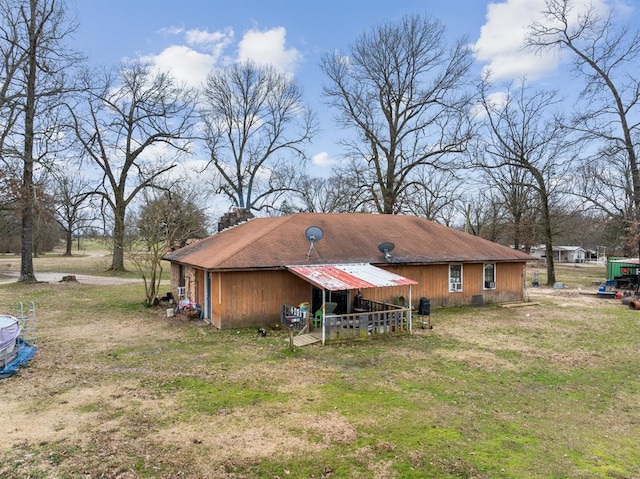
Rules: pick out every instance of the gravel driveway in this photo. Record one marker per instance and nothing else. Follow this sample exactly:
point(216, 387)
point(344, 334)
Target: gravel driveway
point(12, 276)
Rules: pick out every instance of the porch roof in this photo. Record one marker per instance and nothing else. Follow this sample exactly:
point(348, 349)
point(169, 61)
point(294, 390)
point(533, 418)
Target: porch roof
point(336, 277)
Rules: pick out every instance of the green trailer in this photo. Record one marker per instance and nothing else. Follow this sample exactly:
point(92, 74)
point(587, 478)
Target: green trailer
point(622, 273)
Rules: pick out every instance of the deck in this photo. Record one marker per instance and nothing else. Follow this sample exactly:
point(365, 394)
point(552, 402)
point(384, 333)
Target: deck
point(376, 321)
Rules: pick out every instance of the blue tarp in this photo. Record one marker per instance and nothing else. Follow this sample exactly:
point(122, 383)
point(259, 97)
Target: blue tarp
point(25, 352)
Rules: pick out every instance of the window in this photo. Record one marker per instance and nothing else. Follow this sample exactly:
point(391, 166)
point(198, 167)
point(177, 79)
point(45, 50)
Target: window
point(455, 277)
point(490, 276)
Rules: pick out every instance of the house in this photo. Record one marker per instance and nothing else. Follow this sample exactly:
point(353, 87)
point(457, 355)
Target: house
point(561, 254)
point(244, 275)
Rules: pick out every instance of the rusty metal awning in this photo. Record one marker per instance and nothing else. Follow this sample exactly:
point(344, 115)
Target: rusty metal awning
point(336, 277)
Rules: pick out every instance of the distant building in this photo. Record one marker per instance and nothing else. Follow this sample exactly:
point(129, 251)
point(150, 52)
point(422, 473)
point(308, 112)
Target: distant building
point(561, 254)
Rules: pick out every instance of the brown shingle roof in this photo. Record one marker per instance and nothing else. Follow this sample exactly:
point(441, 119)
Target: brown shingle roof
point(348, 238)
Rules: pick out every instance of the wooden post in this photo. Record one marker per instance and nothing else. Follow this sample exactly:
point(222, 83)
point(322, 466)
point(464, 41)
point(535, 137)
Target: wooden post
point(291, 336)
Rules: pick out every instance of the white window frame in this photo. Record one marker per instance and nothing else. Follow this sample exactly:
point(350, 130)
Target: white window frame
point(492, 284)
point(455, 287)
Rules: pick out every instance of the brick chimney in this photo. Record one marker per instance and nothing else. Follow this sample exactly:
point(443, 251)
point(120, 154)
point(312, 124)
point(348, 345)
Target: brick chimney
point(234, 217)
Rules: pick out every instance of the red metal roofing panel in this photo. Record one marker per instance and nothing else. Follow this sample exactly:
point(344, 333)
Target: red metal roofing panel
point(336, 277)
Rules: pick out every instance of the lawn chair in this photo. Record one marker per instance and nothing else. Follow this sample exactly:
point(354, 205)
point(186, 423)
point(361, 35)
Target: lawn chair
point(329, 309)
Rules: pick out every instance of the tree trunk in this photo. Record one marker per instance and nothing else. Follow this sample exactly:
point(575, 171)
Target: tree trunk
point(117, 261)
point(635, 177)
point(516, 232)
point(27, 274)
point(68, 241)
point(548, 241)
point(388, 198)
point(551, 272)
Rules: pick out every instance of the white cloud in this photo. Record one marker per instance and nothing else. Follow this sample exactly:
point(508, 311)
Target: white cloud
point(201, 51)
point(269, 46)
point(500, 45)
point(184, 63)
point(171, 30)
point(213, 42)
point(497, 99)
point(323, 160)
point(204, 37)
point(502, 37)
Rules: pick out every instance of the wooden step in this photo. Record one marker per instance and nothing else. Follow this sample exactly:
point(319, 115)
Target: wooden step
point(306, 339)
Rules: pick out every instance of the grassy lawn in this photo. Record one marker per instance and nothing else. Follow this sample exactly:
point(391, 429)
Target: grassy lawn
point(117, 390)
point(95, 259)
point(572, 275)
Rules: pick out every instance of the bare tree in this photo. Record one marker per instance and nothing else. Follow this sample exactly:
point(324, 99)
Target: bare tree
point(436, 195)
point(400, 89)
point(34, 65)
point(72, 193)
point(9, 189)
point(46, 231)
point(339, 193)
point(166, 220)
point(175, 210)
point(605, 183)
point(510, 190)
point(521, 131)
point(257, 127)
point(606, 56)
point(484, 215)
point(132, 126)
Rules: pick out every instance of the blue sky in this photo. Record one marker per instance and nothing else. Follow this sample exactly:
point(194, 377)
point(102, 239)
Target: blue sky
point(192, 37)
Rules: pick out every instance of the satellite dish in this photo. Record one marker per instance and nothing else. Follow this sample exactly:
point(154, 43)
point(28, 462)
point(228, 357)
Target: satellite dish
point(314, 233)
point(386, 247)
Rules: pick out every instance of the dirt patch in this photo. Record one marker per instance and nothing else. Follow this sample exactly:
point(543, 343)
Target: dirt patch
point(73, 413)
point(248, 438)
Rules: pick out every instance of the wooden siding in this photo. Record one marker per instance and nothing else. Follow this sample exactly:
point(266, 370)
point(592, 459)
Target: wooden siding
point(510, 279)
point(254, 298)
point(433, 283)
point(216, 304)
point(199, 286)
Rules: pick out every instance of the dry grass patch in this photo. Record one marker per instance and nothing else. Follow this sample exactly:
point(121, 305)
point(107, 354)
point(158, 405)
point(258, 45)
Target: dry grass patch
point(478, 359)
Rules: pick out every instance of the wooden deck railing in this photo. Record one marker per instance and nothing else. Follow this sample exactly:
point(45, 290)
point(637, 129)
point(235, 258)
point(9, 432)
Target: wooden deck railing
point(366, 325)
point(376, 319)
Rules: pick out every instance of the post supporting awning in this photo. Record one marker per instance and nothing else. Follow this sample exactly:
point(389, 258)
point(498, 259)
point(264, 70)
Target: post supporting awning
point(338, 277)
